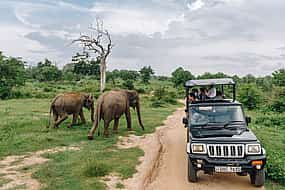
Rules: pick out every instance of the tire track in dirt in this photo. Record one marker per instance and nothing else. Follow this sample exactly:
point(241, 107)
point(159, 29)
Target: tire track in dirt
point(164, 164)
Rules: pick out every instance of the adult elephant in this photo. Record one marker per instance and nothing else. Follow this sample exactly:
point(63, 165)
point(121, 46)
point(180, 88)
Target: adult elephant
point(71, 103)
point(112, 105)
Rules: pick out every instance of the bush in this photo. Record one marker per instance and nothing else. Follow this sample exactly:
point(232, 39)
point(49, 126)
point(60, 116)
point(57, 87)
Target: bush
point(46, 71)
point(180, 76)
point(279, 77)
point(278, 103)
point(146, 73)
point(161, 96)
point(271, 120)
point(140, 90)
point(95, 169)
point(12, 74)
point(250, 96)
point(128, 84)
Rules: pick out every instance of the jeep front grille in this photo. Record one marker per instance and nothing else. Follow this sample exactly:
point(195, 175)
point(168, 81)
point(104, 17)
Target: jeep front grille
point(225, 150)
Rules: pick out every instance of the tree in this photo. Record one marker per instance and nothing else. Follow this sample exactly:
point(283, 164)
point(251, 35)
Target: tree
point(100, 44)
point(180, 76)
point(279, 77)
point(46, 71)
point(128, 75)
point(12, 74)
point(278, 103)
point(146, 73)
point(128, 84)
point(249, 78)
point(250, 96)
point(208, 75)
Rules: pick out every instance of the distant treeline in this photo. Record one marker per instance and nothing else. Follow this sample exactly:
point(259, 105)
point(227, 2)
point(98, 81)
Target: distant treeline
point(254, 92)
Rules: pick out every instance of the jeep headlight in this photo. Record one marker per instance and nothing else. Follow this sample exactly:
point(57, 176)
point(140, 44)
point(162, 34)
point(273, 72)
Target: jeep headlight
point(253, 149)
point(198, 148)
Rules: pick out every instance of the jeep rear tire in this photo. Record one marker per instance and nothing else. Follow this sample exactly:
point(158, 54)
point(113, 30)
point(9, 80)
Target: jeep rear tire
point(257, 178)
point(192, 172)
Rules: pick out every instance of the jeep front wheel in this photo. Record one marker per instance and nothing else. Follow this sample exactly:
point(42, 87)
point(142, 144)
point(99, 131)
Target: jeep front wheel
point(257, 178)
point(192, 172)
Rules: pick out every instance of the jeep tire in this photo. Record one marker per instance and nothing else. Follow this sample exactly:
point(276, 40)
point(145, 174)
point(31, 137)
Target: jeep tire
point(257, 178)
point(192, 172)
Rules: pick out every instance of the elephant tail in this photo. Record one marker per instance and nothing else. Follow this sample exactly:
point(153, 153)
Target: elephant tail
point(51, 108)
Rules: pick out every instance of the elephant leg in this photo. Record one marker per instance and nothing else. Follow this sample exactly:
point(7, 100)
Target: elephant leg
point(83, 120)
point(74, 120)
point(62, 118)
point(129, 119)
point(55, 118)
point(116, 124)
point(106, 130)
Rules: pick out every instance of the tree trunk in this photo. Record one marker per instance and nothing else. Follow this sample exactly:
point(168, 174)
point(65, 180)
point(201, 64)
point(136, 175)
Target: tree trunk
point(102, 74)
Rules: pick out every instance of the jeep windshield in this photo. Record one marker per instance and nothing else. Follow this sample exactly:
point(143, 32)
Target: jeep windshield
point(217, 116)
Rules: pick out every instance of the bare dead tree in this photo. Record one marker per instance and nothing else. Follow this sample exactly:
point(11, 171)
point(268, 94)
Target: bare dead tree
point(98, 42)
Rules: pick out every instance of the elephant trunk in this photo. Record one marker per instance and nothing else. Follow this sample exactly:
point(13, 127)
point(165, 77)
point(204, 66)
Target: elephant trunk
point(139, 115)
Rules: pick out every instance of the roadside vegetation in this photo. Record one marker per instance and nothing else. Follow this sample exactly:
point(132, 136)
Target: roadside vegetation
point(26, 93)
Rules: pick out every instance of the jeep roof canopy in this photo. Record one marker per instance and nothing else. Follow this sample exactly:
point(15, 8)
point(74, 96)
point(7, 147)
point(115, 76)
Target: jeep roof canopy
point(208, 82)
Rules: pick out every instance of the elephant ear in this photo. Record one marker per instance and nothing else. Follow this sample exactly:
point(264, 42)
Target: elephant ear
point(133, 97)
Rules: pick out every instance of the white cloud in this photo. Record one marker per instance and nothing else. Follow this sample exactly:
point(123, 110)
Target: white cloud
point(231, 36)
point(127, 20)
point(198, 4)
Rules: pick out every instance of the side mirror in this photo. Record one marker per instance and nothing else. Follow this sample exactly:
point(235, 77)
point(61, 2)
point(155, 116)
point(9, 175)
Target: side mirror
point(248, 119)
point(185, 121)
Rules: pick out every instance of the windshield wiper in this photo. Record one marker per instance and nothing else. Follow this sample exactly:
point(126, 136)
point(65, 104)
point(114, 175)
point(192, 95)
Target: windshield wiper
point(208, 125)
point(232, 122)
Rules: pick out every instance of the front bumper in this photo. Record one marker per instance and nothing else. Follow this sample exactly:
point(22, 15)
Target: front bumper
point(208, 164)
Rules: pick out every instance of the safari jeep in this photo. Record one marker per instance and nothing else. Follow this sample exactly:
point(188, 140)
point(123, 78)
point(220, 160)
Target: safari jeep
point(218, 139)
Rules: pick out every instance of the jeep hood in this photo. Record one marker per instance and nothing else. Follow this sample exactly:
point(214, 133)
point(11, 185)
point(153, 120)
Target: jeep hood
point(224, 135)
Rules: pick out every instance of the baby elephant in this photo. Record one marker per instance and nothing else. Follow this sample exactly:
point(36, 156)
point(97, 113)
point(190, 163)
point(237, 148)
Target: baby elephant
point(71, 103)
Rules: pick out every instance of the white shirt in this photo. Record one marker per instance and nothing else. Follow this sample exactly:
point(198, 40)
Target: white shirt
point(212, 92)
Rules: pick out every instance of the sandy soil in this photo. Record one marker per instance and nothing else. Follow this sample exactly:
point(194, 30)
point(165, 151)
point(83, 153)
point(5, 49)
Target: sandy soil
point(11, 168)
point(164, 165)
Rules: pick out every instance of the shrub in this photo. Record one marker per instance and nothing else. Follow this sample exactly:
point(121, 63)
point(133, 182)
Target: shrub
point(140, 90)
point(279, 77)
point(12, 74)
point(180, 76)
point(146, 73)
point(278, 103)
point(128, 84)
point(250, 96)
point(46, 71)
point(271, 120)
point(95, 169)
point(161, 96)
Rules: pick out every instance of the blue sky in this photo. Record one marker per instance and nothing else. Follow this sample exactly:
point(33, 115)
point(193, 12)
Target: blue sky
point(231, 36)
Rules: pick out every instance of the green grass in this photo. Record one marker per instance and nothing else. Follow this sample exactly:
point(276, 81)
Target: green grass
point(4, 181)
point(273, 139)
point(23, 129)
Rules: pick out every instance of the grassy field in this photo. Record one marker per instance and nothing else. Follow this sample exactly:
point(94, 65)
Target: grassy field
point(270, 129)
point(23, 129)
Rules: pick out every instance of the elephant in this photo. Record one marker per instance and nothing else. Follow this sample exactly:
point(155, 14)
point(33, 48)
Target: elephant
point(71, 103)
point(112, 105)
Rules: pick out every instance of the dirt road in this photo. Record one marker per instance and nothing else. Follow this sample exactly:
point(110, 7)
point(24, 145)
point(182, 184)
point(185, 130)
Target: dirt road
point(169, 170)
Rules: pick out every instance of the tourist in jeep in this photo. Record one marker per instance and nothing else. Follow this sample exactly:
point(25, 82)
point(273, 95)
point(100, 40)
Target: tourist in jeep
point(203, 94)
point(212, 92)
